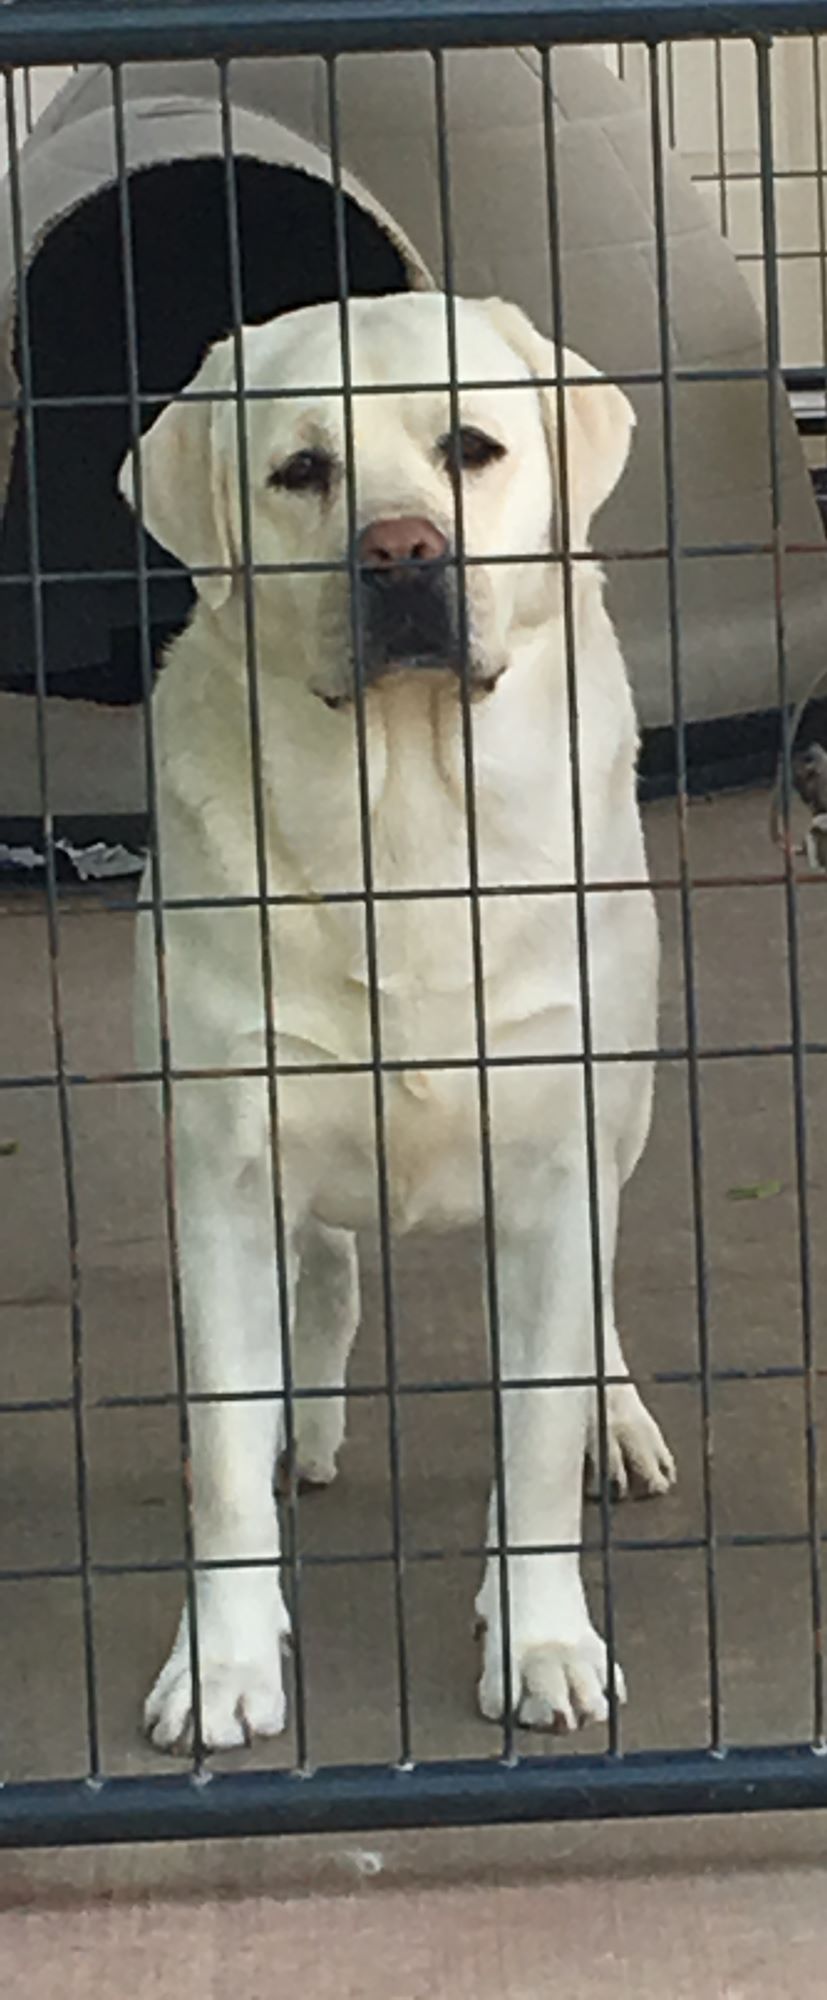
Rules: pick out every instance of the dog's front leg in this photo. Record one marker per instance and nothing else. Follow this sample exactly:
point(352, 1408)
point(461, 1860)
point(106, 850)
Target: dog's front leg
point(558, 1665)
point(232, 1326)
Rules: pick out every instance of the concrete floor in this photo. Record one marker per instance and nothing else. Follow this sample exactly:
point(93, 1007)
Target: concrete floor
point(755, 1324)
point(696, 1912)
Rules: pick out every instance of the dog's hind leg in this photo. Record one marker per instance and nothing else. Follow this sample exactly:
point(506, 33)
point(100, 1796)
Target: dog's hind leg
point(638, 1459)
point(327, 1316)
point(546, 1648)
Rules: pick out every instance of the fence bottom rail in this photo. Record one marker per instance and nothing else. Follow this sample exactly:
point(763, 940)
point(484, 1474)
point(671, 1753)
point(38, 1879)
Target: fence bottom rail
point(353, 1799)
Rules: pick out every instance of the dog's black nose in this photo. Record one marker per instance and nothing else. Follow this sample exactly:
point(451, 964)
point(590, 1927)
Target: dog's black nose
point(404, 538)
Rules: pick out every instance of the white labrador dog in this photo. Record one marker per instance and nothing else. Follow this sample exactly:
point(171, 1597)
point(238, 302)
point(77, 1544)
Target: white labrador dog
point(310, 846)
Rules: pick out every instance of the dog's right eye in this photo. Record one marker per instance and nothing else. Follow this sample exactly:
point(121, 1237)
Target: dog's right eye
point(308, 471)
point(470, 450)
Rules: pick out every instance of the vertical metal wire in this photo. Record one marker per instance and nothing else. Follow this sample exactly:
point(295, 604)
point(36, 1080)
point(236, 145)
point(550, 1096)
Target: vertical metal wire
point(27, 422)
point(470, 799)
point(775, 392)
point(28, 108)
point(581, 896)
point(371, 946)
point(720, 135)
point(130, 309)
point(268, 983)
point(685, 900)
point(671, 97)
point(821, 213)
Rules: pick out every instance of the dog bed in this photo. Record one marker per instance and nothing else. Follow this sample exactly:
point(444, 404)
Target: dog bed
point(500, 227)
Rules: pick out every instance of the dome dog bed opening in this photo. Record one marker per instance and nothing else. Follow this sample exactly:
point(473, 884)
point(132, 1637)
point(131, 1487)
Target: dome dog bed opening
point(78, 350)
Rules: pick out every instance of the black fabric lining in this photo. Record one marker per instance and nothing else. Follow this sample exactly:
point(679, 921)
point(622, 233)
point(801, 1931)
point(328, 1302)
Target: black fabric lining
point(722, 755)
point(725, 753)
point(78, 342)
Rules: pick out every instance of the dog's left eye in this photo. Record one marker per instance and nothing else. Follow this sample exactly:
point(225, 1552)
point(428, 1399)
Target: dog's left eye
point(308, 471)
point(469, 449)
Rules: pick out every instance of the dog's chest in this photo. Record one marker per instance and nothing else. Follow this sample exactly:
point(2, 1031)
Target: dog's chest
point(413, 959)
point(439, 976)
point(436, 970)
point(420, 869)
point(422, 937)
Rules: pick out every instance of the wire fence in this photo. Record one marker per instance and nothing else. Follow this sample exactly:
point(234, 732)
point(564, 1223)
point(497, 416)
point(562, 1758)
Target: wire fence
point(247, 1407)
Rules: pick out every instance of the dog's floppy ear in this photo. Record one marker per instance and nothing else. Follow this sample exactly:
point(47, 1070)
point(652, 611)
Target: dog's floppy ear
point(599, 419)
point(184, 485)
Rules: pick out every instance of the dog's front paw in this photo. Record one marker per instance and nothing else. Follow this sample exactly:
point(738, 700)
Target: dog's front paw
point(639, 1459)
point(241, 1691)
point(240, 1699)
point(559, 1684)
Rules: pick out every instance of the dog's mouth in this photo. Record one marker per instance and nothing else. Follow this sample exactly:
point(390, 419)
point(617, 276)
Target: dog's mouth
point(408, 618)
point(409, 624)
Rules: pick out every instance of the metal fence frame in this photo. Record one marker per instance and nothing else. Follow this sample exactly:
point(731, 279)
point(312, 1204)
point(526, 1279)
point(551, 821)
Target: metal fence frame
point(47, 31)
point(510, 1788)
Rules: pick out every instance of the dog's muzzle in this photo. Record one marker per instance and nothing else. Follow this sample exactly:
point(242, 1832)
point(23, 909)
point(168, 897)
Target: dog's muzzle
point(407, 591)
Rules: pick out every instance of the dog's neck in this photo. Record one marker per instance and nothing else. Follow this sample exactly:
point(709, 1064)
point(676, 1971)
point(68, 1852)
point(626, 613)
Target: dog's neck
point(423, 748)
point(419, 752)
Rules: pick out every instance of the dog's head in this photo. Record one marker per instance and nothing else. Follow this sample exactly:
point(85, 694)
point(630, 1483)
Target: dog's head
point(321, 504)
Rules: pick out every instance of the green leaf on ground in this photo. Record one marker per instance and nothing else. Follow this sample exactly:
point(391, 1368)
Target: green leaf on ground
point(757, 1191)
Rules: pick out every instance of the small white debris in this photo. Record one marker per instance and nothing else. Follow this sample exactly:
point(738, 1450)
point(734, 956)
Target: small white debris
point(98, 861)
point(92, 864)
point(20, 857)
point(364, 1860)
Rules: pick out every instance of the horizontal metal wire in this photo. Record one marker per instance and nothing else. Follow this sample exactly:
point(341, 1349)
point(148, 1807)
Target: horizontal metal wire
point(653, 552)
point(103, 907)
point(49, 31)
point(476, 1552)
point(90, 399)
point(659, 884)
point(401, 1065)
point(712, 175)
point(372, 1391)
point(781, 256)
